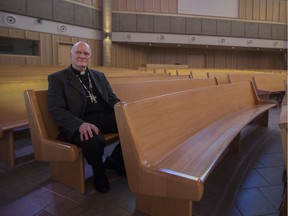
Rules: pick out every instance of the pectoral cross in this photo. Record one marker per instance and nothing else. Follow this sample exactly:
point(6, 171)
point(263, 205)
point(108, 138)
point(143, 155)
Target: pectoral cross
point(92, 97)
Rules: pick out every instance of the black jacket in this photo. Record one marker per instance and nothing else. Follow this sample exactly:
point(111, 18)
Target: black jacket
point(67, 99)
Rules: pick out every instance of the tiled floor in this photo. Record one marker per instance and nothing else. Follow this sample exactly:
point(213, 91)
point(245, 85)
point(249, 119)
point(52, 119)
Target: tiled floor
point(245, 183)
point(261, 189)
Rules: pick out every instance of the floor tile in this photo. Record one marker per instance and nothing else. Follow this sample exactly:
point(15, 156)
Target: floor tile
point(254, 179)
point(273, 175)
point(234, 211)
point(271, 159)
point(274, 194)
point(29, 204)
point(252, 202)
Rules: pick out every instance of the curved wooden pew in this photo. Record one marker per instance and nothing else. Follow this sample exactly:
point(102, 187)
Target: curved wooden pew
point(124, 79)
point(265, 84)
point(140, 90)
point(13, 114)
point(171, 143)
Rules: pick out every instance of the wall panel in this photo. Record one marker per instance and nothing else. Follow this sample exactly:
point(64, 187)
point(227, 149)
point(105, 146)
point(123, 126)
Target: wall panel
point(164, 6)
point(276, 11)
point(232, 58)
point(149, 5)
point(266, 10)
point(256, 10)
point(242, 9)
point(5, 59)
point(48, 44)
point(131, 5)
point(19, 60)
point(17, 33)
point(173, 6)
point(140, 5)
point(269, 15)
point(238, 59)
point(283, 11)
point(157, 6)
point(46, 49)
point(122, 5)
point(249, 9)
point(262, 8)
point(220, 59)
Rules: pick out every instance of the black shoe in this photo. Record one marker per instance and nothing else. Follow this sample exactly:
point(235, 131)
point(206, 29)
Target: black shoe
point(111, 164)
point(101, 184)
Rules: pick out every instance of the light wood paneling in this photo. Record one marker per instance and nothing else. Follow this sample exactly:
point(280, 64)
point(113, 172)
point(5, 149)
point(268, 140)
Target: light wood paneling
point(256, 11)
point(149, 6)
point(276, 11)
point(32, 35)
point(269, 15)
point(262, 10)
point(249, 9)
point(140, 5)
point(157, 6)
point(48, 44)
point(173, 6)
point(33, 60)
point(266, 10)
point(122, 5)
point(164, 6)
point(220, 59)
point(128, 56)
point(17, 33)
point(196, 61)
point(45, 47)
point(232, 59)
point(283, 11)
point(242, 9)
point(131, 5)
point(64, 54)
point(5, 59)
point(22, 60)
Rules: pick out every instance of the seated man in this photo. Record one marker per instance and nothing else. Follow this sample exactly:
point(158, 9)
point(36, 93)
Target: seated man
point(81, 102)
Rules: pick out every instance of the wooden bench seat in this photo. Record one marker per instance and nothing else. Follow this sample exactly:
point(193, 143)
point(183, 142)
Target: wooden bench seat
point(13, 111)
point(171, 143)
point(7, 131)
point(15, 79)
point(265, 84)
point(62, 155)
point(13, 115)
point(65, 159)
point(269, 84)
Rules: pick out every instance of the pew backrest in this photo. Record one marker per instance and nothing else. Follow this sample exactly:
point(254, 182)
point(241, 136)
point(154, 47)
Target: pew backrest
point(178, 138)
point(140, 90)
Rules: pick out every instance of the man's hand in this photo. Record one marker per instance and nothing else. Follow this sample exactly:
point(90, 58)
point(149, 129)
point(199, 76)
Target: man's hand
point(86, 131)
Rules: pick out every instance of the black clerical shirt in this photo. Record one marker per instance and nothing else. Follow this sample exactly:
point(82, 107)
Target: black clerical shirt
point(92, 110)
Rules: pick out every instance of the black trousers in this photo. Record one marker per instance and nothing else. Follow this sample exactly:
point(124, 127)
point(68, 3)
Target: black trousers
point(93, 149)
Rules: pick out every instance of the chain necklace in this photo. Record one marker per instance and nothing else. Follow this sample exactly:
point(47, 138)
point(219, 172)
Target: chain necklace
point(93, 98)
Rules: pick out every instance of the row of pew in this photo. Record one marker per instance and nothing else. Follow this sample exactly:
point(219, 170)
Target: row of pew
point(167, 164)
point(15, 79)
